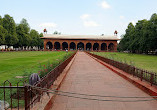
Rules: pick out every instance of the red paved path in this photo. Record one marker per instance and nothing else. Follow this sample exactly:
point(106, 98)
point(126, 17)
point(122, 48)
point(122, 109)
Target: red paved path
point(90, 77)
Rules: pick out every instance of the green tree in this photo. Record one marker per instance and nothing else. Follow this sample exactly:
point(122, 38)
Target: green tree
point(56, 32)
point(142, 37)
point(9, 25)
point(1, 21)
point(25, 25)
point(153, 34)
point(145, 33)
point(40, 41)
point(23, 30)
point(3, 33)
point(34, 37)
point(18, 35)
point(23, 36)
point(127, 38)
point(138, 37)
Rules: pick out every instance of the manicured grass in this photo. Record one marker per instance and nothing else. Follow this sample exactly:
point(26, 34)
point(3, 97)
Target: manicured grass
point(13, 64)
point(147, 62)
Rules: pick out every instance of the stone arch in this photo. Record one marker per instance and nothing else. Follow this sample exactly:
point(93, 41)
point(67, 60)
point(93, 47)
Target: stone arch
point(49, 45)
point(80, 46)
point(96, 46)
point(104, 46)
point(88, 46)
point(57, 45)
point(72, 46)
point(64, 46)
point(111, 47)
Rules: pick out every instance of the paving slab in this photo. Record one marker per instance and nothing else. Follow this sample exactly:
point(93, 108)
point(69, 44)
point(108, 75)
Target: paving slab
point(87, 76)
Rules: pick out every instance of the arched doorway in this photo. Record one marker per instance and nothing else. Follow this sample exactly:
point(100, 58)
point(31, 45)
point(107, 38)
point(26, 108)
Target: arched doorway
point(111, 47)
point(80, 46)
point(72, 46)
point(88, 46)
point(57, 45)
point(49, 45)
point(96, 46)
point(104, 47)
point(64, 46)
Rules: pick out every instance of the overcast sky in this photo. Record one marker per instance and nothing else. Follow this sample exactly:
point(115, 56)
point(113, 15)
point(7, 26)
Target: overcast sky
point(79, 17)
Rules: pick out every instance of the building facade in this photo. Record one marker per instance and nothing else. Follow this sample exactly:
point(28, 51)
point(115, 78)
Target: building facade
point(80, 42)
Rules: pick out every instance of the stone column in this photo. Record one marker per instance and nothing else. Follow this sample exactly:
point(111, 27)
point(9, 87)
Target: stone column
point(61, 48)
point(68, 46)
point(107, 47)
point(45, 45)
point(115, 47)
point(84, 46)
point(92, 47)
point(99, 47)
point(53, 48)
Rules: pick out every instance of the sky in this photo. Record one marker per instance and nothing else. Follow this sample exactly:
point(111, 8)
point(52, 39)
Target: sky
point(79, 17)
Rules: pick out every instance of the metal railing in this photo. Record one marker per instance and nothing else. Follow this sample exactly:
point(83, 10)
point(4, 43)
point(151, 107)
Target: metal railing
point(150, 77)
point(47, 81)
point(24, 97)
point(12, 96)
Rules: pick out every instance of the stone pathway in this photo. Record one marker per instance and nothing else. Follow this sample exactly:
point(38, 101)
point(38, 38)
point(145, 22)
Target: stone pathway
point(90, 77)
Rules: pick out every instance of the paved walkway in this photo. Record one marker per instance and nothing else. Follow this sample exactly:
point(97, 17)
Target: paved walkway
point(90, 77)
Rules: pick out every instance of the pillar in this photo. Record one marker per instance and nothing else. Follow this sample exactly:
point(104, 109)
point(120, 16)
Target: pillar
point(107, 46)
point(99, 47)
point(84, 46)
point(53, 48)
point(61, 48)
point(68, 45)
point(45, 45)
point(115, 47)
point(92, 47)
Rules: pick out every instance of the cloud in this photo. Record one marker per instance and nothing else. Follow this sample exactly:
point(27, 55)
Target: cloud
point(122, 17)
point(90, 24)
point(87, 22)
point(48, 25)
point(105, 5)
point(85, 16)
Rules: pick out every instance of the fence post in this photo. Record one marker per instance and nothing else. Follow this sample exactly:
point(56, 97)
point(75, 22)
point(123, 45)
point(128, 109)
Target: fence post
point(152, 79)
point(141, 75)
point(134, 71)
point(26, 98)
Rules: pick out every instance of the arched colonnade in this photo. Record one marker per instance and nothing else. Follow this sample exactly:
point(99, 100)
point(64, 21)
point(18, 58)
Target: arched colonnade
point(89, 46)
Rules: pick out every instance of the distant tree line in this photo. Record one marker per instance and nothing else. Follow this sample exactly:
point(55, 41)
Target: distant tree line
point(56, 32)
point(141, 38)
point(18, 35)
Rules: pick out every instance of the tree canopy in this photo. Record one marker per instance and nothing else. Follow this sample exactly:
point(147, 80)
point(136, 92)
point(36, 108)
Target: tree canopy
point(10, 26)
point(3, 33)
point(1, 21)
point(18, 35)
point(140, 38)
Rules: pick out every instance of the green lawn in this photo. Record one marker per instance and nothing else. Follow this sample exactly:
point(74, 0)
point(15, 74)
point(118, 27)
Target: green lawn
point(146, 62)
point(13, 64)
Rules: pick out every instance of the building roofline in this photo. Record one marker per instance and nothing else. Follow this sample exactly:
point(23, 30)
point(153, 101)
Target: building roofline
point(80, 37)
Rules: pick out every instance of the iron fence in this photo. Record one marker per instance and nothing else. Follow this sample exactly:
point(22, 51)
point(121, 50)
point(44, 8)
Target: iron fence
point(24, 97)
point(150, 77)
point(46, 82)
point(12, 96)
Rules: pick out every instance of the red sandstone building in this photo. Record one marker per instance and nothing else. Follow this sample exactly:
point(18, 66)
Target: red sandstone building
point(80, 42)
